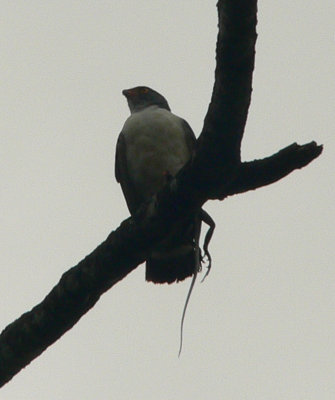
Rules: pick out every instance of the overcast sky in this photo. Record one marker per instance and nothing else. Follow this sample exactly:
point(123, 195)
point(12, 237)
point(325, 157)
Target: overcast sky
point(262, 326)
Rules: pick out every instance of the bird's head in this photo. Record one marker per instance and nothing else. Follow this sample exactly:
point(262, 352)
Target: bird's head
point(141, 97)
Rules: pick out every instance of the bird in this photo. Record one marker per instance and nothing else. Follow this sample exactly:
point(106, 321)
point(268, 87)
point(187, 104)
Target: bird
point(154, 144)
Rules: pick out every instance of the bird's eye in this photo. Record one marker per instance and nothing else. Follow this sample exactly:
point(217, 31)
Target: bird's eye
point(145, 90)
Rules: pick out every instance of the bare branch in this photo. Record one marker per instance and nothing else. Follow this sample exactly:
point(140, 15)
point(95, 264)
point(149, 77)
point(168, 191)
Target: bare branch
point(235, 52)
point(255, 174)
point(77, 291)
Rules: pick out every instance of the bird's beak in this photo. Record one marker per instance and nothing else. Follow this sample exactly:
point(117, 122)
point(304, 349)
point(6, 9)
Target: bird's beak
point(127, 93)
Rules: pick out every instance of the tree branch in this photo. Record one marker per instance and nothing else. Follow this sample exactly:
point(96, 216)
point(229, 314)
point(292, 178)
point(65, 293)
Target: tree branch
point(220, 140)
point(255, 174)
point(214, 172)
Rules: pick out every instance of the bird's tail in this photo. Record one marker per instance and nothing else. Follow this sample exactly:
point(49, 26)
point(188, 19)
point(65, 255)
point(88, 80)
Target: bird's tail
point(168, 266)
point(174, 259)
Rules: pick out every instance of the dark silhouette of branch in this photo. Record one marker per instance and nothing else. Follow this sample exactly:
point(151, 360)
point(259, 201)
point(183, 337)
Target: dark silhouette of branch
point(258, 173)
point(214, 173)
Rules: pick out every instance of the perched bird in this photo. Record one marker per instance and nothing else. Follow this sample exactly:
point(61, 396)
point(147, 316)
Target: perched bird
point(153, 146)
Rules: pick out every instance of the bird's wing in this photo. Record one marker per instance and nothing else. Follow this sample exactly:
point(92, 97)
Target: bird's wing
point(189, 136)
point(122, 175)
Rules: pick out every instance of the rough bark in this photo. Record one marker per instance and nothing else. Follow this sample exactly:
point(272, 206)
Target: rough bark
point(214, 173)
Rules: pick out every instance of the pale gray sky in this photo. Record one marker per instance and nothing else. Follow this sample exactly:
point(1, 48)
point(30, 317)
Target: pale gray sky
point(262, 326)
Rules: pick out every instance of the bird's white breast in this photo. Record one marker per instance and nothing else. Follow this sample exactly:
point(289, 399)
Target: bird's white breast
point(155, 146)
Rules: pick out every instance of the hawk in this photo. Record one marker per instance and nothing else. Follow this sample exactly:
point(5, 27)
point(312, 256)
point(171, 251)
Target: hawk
point(153, 146)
